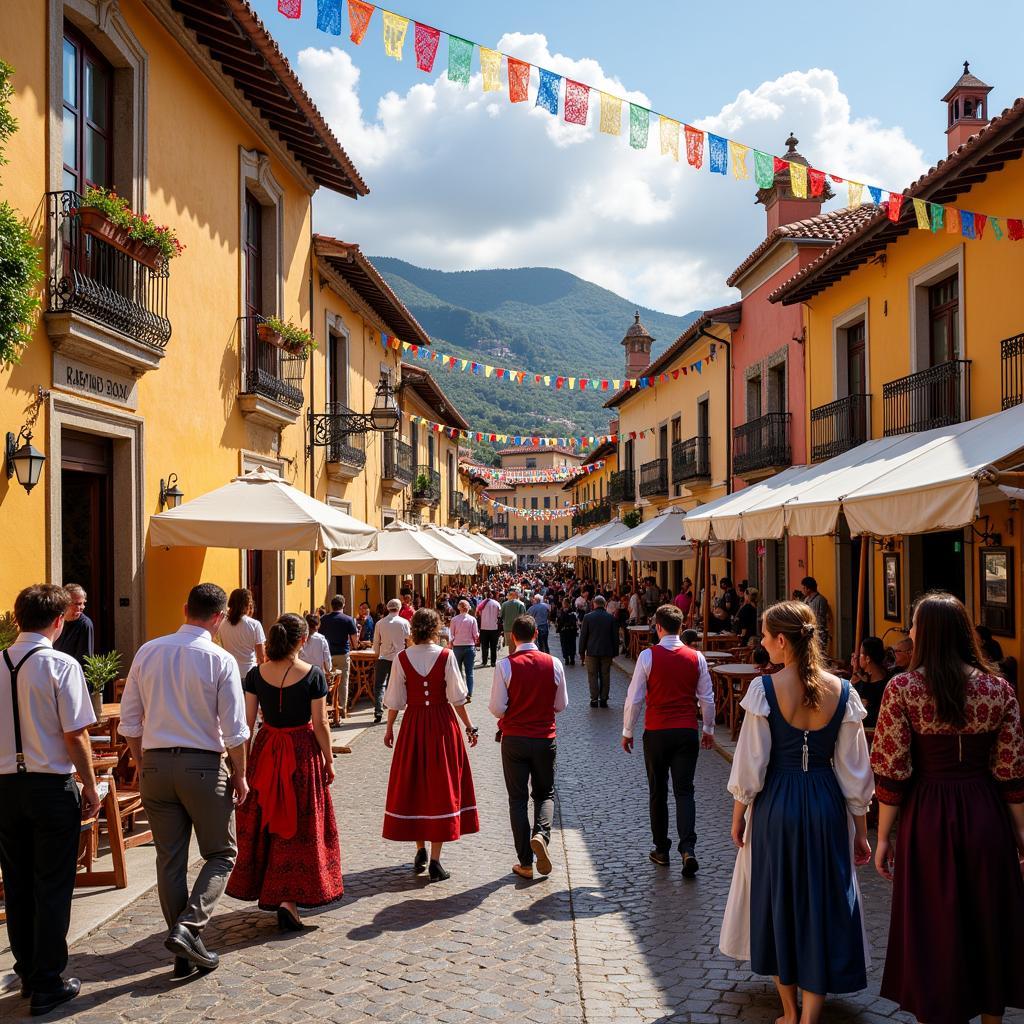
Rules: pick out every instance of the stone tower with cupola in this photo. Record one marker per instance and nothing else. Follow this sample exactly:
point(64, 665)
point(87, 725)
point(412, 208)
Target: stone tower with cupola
point(637, 343)
point(780, 204)
point(967, 109)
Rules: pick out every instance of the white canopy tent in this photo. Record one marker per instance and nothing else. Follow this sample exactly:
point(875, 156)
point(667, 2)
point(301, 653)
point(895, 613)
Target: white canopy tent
point(399, 549)
point(553, 553)
point(261, 512)
point(583, 545)
point(508, 557)
point(466, 543)
point(658, 540)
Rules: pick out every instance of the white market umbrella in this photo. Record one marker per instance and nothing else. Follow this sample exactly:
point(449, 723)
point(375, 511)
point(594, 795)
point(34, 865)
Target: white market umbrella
point(553, 553)
point(508, 556)
point(658, 540)
point(260, 512)
point(403, 549)
point(583, 545)
point(467, 543)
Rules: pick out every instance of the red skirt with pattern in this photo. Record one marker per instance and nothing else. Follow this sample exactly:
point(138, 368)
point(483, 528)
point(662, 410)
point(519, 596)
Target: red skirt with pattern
point(430, 790)
point(304, 868)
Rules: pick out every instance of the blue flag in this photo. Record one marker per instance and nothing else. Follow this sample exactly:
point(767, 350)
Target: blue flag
point(547, 93)
point(328, 16)
point(876, 194)
point(718, 152)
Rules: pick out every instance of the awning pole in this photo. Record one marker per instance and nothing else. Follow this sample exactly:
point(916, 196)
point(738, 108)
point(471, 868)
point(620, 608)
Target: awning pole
point(865, 544)
point(707, 589)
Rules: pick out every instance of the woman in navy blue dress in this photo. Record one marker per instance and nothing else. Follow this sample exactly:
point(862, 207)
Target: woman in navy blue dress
point(802, 782)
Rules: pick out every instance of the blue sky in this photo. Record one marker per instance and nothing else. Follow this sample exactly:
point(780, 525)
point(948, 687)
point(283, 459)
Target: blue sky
point(459, 180)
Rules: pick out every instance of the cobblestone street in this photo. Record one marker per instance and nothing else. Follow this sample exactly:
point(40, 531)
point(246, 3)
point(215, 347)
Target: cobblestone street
point(607, 937)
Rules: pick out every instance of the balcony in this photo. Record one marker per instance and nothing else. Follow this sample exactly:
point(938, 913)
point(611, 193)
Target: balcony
point(346, 449)
point(654, 479)
point(272, 393)
point(839, 426)
point(399, 468)
point(426, 486)
point(1011, 352)
point(456, 501)
point(499, 530)
point(102, 305)
point(622, 486)
point(690, 460)
point(593, 516)
point(937, 397)
point(763, 445)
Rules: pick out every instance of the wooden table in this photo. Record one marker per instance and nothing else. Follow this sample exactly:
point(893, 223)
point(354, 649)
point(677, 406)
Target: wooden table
point(723, 641)
point(361, 675)
point(639, 638)
point(715, 656)
point(733, 680)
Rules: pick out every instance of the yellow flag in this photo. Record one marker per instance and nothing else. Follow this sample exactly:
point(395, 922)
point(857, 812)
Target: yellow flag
point(395, 27)
point(406, 345)
point(465, 363)
point(738, 159)
point(854, 191)
point(547, 381)
point(668, 133)
point(631, 382)
point(488, 370)
point(611, 114)
point(798, 179)
point(490, 67)
point(616, 384)
point(921, 213)
point(572, 383)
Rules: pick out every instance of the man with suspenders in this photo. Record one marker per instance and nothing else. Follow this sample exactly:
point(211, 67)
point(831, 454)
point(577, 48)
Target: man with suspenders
point(44, 714)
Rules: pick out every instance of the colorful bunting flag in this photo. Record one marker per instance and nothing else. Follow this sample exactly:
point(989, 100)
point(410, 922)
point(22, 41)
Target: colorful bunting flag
point(798, 179)
point(876, 194)
point(779, 166)
point(328, 16)
point(996, 228)
point(490, 69)
point(718, 154)
point(952, 221)
point(639, 126)
point(817, 182)
point(577, 101)
point(937, 214)
point(764, 170)
point(967, 224)
point(854, 193)
point(425, 41)
point(518, 80)
point(290, 8)
point(1015, 228)
point(460, 56)
point(921, 213)
point(694, 146)
point(359, 15)
point(547, 93)
point(395, 28)
point(611, 114)
point(738, 157)
point(668, 134)
point(895, 205)
point(980, 222)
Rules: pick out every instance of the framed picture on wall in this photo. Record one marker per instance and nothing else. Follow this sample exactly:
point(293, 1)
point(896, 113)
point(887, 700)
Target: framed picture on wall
point(997, 582)
point(891, 583)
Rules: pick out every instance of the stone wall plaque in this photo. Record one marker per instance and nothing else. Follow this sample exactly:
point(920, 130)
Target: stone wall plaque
point(91, 382)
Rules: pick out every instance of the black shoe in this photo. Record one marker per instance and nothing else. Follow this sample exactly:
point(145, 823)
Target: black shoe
point(376, 719)
point(44, 1002)
point(690, 865)
point(419, 864)
point(288, 922)
point(183, 968)
point(438, 873)
point(25, 992)
point(593, 703)
point(181, 941)
point(604, 703)
point(659, 858)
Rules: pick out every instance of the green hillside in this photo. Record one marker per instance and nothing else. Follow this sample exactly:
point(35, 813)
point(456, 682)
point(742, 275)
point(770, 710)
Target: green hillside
point(536, 319)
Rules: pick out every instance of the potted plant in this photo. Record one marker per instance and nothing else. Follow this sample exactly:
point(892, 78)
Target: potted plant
point(8, 630)
point(421, 489)
point(100, 669)
point(285, 335)
point(633, 519)
point(104, 214)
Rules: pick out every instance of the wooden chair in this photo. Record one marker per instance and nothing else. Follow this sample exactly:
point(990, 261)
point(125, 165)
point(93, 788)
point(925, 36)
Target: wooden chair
point(360, 680)
point(119, 685)
point(333, 695)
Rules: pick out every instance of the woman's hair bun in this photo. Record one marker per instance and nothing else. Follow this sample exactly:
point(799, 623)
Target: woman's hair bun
point(807, 629)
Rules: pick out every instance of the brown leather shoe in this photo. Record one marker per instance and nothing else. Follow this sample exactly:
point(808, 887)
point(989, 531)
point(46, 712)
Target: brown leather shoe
point(518, 869)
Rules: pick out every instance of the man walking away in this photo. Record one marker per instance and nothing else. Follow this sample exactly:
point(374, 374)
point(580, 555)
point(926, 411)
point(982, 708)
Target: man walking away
point(182, 706)
point(671, 678)
point(568, 629)
point(77, 638)
point(339, 629)
point(541, 614)
point(599, 644)
point(528, 691)
point(510, 611)
point(44, 714)
point(488, 611)
point(465, 636)
point(822, 611)
point(389, 637)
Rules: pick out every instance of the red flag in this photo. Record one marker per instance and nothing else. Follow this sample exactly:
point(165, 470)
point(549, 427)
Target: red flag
point(583, 383)
point(895, 205)
point(290, 8)
point(535, 441)
point(604, 385)
point(817, 181)
point(577, 98)
point(500, 372)
point(779, 164)
point(980, 220)
point(675, 375)
point(694, 146)
point(426, 41)
point(632, 435)
point(414, 349)
point(558, 383)
point(836, 179)
point(518, 80)
point(1015, 228)
point(536, 378)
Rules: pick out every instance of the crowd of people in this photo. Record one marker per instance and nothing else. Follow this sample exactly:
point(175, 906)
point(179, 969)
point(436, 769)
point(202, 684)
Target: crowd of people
point(228, 723)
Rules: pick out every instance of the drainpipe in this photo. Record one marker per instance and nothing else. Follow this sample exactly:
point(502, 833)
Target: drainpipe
point(309, 420)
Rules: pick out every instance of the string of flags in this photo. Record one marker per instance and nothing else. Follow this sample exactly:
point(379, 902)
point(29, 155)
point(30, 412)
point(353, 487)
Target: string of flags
point(529, 476)
point(701, 148)
point(526, 441)
point(428, 354)
point(563, 512)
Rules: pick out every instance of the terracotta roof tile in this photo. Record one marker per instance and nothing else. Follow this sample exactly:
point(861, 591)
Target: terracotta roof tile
point(432, 395)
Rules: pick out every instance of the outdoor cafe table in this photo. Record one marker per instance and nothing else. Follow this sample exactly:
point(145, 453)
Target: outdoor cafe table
point(715, 656)
point(723, 641)
point(639, 638)
point(361, 673)
point(733, 679)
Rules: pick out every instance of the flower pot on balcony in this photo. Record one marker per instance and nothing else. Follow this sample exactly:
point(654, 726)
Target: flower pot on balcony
point(267, 334)
point(97, 224)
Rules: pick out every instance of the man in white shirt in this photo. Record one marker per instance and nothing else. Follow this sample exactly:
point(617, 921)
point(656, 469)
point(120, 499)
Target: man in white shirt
point(45, 712)
point(671, 678)
point(182, 707)
point(488, 611)
point(389, 640)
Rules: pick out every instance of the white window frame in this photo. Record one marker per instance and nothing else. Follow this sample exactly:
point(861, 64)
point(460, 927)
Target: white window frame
point(919, 282)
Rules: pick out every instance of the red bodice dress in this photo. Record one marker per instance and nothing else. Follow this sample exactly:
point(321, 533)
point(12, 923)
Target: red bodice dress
point(430, 789)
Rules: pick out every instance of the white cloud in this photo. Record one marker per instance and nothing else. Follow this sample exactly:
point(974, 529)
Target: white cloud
point(464, 179)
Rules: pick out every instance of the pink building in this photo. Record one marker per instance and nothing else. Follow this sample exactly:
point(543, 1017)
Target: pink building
point(768, 393)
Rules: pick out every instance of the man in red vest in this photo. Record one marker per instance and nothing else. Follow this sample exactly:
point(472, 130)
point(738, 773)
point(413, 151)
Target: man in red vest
point(671, 678)
point(527, 692)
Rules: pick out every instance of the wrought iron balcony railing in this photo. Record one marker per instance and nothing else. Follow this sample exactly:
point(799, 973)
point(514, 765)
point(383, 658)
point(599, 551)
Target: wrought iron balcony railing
point(937, 397)
point(399, 461)
point(690, 460)
point(270, 371)
point(426, 487)
point(334, 431)
point(87, 275)
point(593, 516)
point(455, 503)
point(1011, 351)
point(839, 426)
point(654, 478)
point(763, 443)
point(622, 485)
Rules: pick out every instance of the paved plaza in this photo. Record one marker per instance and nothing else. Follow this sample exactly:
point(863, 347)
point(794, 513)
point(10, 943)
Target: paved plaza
point(607, 937)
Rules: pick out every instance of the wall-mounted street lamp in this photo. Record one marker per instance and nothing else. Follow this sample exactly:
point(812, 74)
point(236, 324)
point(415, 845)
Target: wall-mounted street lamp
point(21, 458)
point(330, 429)
point(170, 494)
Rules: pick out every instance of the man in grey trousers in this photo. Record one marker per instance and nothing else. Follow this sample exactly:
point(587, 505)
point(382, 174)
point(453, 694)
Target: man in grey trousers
point(182, 707)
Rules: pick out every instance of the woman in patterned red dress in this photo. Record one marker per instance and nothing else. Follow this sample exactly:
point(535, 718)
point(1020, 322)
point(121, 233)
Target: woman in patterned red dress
point(288, 850)
point(948, 757)
point(430, 789)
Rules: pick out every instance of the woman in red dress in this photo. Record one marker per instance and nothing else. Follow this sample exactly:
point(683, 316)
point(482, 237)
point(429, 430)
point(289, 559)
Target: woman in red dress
point(288, 850)
point(430, 790)
point(948, 756)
